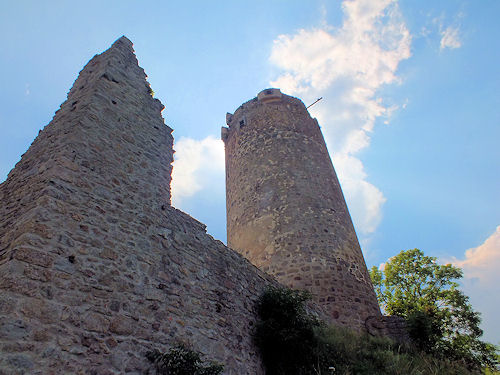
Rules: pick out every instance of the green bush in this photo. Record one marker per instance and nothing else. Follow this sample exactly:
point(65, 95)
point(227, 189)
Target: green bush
point(181, 360)
point(293, 342)
point(285, 333)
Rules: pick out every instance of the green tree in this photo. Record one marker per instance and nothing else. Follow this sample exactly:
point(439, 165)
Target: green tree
point(440, 318)
point(285, 332)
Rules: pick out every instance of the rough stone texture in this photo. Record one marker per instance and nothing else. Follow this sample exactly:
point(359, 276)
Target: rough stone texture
point(394, 327)
point(96, 267)
point(285, 209)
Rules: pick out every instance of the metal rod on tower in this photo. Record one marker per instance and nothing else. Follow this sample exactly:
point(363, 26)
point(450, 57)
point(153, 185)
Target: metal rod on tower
point(317, 100)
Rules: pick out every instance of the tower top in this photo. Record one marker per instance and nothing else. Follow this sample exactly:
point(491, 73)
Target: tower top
point(269, 96)
point(268, 100)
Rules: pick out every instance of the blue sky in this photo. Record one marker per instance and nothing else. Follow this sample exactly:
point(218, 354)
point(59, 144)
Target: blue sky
point(410, 110)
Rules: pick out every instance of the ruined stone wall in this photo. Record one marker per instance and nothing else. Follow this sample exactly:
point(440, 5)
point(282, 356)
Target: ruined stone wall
point(285, 208)
point(96, 267)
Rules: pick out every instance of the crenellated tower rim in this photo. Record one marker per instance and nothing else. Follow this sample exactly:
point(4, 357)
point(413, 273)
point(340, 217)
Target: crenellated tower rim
point(293, 110)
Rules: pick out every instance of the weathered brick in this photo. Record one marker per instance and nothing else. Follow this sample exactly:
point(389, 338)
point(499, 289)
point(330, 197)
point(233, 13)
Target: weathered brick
point(122, 325)
point(33, 256)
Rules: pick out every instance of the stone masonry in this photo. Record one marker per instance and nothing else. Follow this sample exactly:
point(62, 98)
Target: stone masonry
point(96, 267)
point(285, 209)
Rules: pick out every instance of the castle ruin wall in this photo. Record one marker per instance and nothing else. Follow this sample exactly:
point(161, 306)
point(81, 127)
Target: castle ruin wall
point(96, 267)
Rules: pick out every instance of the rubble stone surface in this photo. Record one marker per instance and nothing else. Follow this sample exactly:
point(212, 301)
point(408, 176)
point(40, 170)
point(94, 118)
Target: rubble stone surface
point(96, 267)
point(286, 211)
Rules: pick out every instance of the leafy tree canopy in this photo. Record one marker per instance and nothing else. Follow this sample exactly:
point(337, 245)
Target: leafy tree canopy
point(440, 318)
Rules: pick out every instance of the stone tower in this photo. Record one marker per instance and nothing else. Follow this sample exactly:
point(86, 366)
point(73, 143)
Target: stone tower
point(96, 267)
point(285, 209)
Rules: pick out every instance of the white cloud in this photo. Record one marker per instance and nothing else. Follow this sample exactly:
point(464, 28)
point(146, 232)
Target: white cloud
point(347, 66)
point(481, 282)
point(483, 262)
point(197, 163)
point(448, 30)
point(368, 198)
point(450, 38)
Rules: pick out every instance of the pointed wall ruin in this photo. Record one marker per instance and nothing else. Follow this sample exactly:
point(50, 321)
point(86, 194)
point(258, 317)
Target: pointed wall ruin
point(96, 267)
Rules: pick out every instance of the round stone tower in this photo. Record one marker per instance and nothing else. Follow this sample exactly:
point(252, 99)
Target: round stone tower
point(285, 209)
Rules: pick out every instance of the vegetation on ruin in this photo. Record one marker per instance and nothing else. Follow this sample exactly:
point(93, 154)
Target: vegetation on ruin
point(294, 342)
point(440, 319)
point(181, 360)
point(285, 333)
point(150, 90)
